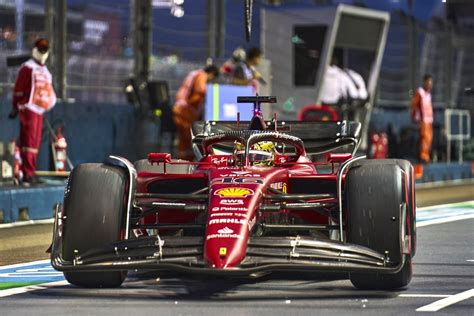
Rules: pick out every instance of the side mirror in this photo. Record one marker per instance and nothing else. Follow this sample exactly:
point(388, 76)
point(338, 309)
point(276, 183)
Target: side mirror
point(159, 157)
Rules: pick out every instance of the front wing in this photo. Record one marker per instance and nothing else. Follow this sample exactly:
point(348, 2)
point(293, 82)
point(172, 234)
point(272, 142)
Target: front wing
point(264, 254)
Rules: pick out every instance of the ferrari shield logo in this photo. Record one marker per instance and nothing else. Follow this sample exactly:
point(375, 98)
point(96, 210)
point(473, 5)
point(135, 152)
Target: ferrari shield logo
point(234, 192)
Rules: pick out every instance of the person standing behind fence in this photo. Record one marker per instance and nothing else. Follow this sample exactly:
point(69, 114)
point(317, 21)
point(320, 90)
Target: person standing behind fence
point(189, 105)
point(245, 72)
point(33, 95)
point(227, 69)
point(422, 114)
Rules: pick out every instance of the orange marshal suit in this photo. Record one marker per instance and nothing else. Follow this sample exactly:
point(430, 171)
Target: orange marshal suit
point(188, 108)
point(422, 113)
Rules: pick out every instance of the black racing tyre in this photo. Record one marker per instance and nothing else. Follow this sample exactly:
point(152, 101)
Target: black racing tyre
point(143, 165)
point(94, 206)
point(410, 199)
point(376, 219)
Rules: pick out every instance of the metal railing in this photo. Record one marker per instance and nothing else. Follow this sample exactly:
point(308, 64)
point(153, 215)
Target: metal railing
point(458, 130)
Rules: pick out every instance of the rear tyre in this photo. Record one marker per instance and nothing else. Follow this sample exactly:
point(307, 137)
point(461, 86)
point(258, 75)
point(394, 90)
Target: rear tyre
point(94, 206)
point(376, 219)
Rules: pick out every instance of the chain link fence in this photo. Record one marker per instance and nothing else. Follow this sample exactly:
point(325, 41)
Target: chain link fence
point(414, 49)
point(99, 46)
point(100, 54)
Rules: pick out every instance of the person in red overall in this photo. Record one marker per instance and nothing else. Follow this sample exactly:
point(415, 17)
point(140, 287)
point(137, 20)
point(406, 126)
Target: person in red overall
point(189, 105)
point(33, 95)
point(422, 114)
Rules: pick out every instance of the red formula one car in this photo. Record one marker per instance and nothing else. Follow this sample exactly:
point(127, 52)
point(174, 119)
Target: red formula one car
point(253, 203)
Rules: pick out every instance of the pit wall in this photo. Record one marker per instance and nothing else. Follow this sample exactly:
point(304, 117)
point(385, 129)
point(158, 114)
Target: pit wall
point(92, 131)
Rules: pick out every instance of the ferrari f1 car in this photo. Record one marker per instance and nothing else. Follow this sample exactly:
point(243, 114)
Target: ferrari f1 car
point(252, 203)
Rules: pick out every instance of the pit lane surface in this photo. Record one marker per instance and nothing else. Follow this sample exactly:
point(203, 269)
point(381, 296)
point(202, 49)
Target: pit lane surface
point(443, 280)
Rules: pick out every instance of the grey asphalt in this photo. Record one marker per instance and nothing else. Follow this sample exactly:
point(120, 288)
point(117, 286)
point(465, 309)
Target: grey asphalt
point(441, 268)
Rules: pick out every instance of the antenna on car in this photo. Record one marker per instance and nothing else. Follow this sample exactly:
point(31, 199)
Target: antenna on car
point(257, 100)
point(257, 122)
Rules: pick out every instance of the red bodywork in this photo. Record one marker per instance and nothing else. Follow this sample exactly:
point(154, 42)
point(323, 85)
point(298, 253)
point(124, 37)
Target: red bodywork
point(234, 196)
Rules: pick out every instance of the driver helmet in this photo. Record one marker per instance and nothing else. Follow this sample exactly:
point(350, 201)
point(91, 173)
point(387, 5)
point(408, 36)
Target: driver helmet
point(260, 154)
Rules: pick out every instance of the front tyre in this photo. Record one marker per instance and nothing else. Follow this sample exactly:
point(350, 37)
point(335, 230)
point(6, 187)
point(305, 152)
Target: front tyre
point(94, 206)
point(408, 190)
point(377, 220)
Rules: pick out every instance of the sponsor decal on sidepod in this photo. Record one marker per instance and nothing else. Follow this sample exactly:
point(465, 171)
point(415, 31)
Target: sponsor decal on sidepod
point(225, 232)
point(228, 221)
point(231, 202)
point(228, 215)
point(228, 209)
point(234, 192)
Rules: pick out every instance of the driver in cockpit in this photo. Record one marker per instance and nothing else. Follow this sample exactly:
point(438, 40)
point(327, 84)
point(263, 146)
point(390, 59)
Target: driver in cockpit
point(261, 154)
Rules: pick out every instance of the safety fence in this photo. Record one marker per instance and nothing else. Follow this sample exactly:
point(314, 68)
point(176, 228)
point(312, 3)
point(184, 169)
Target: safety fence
point(414, 49)
point(99, 45)
point(101, 80)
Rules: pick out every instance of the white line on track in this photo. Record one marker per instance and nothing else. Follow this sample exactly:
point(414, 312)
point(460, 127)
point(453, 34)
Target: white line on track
point(39, 270)
point(18, 265)
point(424, 208)
point(445, 302)
point(27, 223)
point(438, 184)
point(31, 275)
point(30, 288)
point(444, 220)
point(424, 295)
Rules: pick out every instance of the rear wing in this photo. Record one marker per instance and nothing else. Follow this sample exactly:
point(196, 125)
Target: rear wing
point(318, 137)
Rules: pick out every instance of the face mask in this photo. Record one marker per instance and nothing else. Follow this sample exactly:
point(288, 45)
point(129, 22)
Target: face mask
point(40, 57)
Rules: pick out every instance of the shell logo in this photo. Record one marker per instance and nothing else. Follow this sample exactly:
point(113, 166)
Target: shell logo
point(234, 192)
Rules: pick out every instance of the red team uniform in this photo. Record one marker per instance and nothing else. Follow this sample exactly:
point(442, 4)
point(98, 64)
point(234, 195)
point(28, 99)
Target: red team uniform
point(32, 97)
